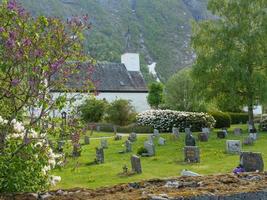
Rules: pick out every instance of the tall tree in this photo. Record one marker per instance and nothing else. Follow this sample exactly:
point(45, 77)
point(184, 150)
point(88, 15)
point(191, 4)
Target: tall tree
point(231, 52)
point(155, 95)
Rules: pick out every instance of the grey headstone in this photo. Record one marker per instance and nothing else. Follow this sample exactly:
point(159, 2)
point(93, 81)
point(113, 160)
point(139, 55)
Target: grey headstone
point(104, 143)
point(115, 129)
point(150, 147)
point(233, 146)
point(187, 130)
point(206, 130)
point(86, 139)
point(76, 152)
point(98, 128)
point(238, 131)
point(128, 146)
point(99, 155)
point(250, 127)
point(248, 141)
point(253, 136)
point(252, 161)
point(117, 137)
point(191, 154)
point(161, 141)
point(136, 164)
point(190, 140)
point(156, 132)
point(150, 138)
point(175, 133)
point(221, 134)
point(203, 137)
point(132, 137)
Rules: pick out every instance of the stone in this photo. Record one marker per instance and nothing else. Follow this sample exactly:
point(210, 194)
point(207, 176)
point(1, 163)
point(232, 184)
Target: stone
point(150, 147)
point(136, 164)
point(115, 129)
point(253, 136)
point(128, 146)
point(221, 134)
point(161, 141)
point(132, 137)
point(86, 139)
point(238, 131)
point(248, 141)
point(175, 133)
point(203, 137)
point(190, 140)
point(104, 143)
point(60, 145)
point(187, 130)
point(99, 155)
point(186, 172)
point(233, 146)
point(252, 161)
point(150, 138)
point(206, 130)
point(117, 137)
point(98, 128)
point(76, 152)
point(156, 132)
point(191, 154)
point(250, 127)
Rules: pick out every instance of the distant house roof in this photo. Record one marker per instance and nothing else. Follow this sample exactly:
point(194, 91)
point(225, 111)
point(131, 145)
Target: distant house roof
point(108, 77)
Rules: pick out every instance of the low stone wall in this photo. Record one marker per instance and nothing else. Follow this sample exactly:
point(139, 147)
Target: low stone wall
point(247, 186)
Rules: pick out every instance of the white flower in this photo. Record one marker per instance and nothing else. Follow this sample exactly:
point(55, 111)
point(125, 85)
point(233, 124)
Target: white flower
point(55, 179)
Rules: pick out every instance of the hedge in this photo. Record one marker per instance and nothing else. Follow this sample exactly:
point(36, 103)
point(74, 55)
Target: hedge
point(165, 120)
point(223, 120)
point(238, 118)
point(106, 127)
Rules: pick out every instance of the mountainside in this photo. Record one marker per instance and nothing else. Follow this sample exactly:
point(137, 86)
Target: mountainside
point(158, 29)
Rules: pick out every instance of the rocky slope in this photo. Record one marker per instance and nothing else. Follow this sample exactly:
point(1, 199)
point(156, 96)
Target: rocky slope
point(159, 30)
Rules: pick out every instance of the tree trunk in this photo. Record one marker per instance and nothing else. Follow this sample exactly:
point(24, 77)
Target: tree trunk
point(250, 112)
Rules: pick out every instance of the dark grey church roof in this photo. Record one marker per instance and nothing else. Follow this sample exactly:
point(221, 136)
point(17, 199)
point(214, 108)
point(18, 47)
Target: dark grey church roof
point(108, 77)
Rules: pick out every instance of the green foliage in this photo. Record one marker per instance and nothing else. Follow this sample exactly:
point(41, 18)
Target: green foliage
point(231, 53)
point(181, 95)
point(223, 120)
point(155, 95)
point(121, 112)
point(92, 110)
point(141, 150)
point(237, 118)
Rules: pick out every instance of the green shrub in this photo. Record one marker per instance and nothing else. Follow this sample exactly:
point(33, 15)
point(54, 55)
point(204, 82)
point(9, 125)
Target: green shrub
point(237, 118)
point(223, 120)
point(92, 110)
point(141, 150)
point(121, 112)
point(165, 120)
point(126, 129)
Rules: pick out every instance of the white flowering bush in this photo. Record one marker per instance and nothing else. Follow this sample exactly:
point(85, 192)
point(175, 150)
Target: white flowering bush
point(26, 160)
point(165, 120)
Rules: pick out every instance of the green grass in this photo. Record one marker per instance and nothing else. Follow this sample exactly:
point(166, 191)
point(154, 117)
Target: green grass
point(167, 162)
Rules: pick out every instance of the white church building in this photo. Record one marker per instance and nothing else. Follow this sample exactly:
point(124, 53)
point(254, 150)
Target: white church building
point(113, 81)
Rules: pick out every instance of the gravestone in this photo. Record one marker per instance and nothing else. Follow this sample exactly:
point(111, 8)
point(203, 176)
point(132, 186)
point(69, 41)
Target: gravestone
point(150, 147)
point(136, 164)
point(252, 161)
point(99, 155)
point(250, 127)
point(175, 133)
point(238, 131)
point(115, 129)
point(221, 134)
point(86, 139)
point(190, 140)
point(98, 128)
point(253, 136)
point(206, 130)
point(60, 145)
point(132, 137)
point(150, 138)
point(233, 146)
point(248, 141)
point(203, 137)
point(76, 151)
point(191, 154)
point(128, 146)
point(104, 143)
point(117, 137)
point(161, 141)
point(156, 132)
point(187, 130)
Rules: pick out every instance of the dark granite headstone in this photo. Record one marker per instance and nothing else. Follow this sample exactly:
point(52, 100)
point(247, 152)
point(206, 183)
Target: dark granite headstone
point(191, 154)
point(136, 164)
point(128, 146)
point(221, 134)
point(190, 140)
point(203, 137)
point(252, 161)
point(99, 155)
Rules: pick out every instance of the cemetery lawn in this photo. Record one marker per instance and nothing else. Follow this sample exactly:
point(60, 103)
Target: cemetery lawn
point(168, 161)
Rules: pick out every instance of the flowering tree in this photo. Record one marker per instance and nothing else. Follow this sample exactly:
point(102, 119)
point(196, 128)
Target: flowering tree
point(35, 58)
